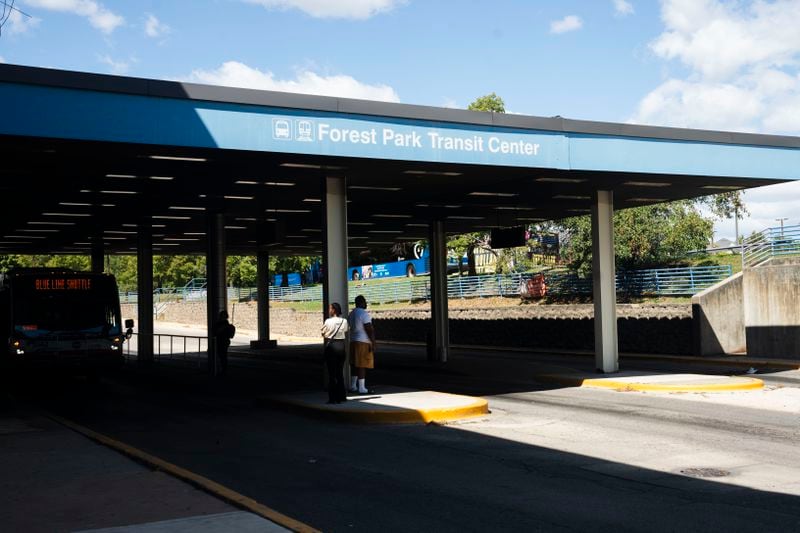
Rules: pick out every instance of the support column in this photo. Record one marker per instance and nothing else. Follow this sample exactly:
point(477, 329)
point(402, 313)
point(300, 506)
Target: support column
point(144, 288)
point(604, 277)
point(334, 260)
point(262, 297)
point(439, 343)
point(98, 254)
point(335, 234)
point(216, 286)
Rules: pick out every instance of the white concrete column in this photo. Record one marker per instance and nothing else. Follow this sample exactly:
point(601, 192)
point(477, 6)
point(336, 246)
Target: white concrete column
point(335, 244)
point(144, 289)
point(334, 261)
point(216, 281)
point(604, 277)
point(262, 298)
point(440, 339)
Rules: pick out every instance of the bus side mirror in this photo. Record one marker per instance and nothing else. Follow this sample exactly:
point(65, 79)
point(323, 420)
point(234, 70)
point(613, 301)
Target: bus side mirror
point(129, 328)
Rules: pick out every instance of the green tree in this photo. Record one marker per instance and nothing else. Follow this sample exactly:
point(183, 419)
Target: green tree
point(489, 102)
point(242, 271)
point(644, 237)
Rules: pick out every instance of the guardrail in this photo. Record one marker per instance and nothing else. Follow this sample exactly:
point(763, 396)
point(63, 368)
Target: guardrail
point(172, 347)
point(662, 281)
point(770, 243)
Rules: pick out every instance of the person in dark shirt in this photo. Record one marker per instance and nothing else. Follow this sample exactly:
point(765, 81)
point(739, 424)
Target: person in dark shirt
point(223, 333)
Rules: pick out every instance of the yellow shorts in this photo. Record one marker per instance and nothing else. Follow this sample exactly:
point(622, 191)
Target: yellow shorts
point(361, 355)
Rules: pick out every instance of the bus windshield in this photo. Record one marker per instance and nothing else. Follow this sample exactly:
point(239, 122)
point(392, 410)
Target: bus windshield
point(89, 306)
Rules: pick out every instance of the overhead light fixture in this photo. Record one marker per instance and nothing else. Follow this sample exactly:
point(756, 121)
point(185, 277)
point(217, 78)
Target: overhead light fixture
point(166, 244)
point(246, 219)
point(130, 225)
point(295, 236)
point(186, 208)
point(288, 210)
point(311, 230)
point(50, 223)
point(162, 178)
point(280, 183)
point(158, 226)
point(193, 233)
point(238, 197)
point(23, 237)
point(235, 227)
point(373, 188)
point(452, 207)
point(310, 165)
point(390, 215)
point(357, 237)
point(179, 158)
point(246, 182)
point(421, 205)
point(115, 238)
point(416, 225)
point(648, 200)
point(360, 223)
point(27, 230)
point(561, 180)
point(514, 208)
point(462, 217)
point(647, 184)
point(170, 217)
point(499, 194)
point(74, 204)
point(120, 232)
point(83, 243)
point(119, 192)
point(431, 173)
point(312, 200)
point(66, 214)
point(108, 205)
point(571, 197)
point(123, 176)
point(180, 239)
point(722, 187)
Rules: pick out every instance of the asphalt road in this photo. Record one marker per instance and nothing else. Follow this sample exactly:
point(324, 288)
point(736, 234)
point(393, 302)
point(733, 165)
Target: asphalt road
point(546, 459)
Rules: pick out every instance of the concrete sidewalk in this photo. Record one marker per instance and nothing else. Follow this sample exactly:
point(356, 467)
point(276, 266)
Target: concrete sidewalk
point(56, 479)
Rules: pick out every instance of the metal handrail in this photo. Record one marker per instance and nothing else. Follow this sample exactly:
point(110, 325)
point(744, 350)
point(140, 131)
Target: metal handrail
point(761, 247)
point(159, 348)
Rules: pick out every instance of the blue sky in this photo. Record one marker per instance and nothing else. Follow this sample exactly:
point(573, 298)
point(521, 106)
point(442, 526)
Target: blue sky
point(715, 64)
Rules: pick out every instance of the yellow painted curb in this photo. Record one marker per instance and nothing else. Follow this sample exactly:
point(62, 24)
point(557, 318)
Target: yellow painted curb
point(478, 407)
point(212, 487)
point(751, 384)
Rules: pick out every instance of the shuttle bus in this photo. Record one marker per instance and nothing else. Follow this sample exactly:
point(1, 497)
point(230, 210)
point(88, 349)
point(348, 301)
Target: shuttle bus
point(58, 318)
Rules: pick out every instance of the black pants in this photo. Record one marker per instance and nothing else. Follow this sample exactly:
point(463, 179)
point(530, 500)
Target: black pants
point(334, 359)
point(222, 355)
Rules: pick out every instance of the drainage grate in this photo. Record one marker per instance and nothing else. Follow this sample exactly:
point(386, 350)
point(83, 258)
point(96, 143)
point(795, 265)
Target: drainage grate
point(704, 472)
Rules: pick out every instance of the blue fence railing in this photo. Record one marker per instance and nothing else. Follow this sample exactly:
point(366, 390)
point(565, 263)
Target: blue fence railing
point(771, 243)
point(663, 281)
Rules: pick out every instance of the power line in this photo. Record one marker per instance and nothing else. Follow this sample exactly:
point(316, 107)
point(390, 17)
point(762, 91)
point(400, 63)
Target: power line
point(6, 8)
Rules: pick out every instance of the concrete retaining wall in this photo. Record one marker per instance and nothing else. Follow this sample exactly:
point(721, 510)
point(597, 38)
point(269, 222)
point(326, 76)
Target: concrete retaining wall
point(718, 318)
point(772, 310)
point(642, 328)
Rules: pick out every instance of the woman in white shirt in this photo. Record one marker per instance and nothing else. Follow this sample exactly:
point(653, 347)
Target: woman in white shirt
point(334, 330)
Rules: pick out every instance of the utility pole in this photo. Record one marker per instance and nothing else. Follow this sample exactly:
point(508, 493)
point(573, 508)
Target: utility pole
point(781, 221)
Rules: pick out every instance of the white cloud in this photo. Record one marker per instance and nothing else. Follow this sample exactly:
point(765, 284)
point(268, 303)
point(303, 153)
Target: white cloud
point(345, 9)
point(622, 8)
point(766, 205)
point(2, 59)
point(116, 67)
point(568, 23)
point(18, 23)
point(154, 27)
point(236, 74)
point(98, 16)
point(743, 74)
point(742, 60)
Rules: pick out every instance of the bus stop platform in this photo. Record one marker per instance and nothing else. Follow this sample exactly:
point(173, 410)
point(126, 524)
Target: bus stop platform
point(389, 405)
point(398, 405)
